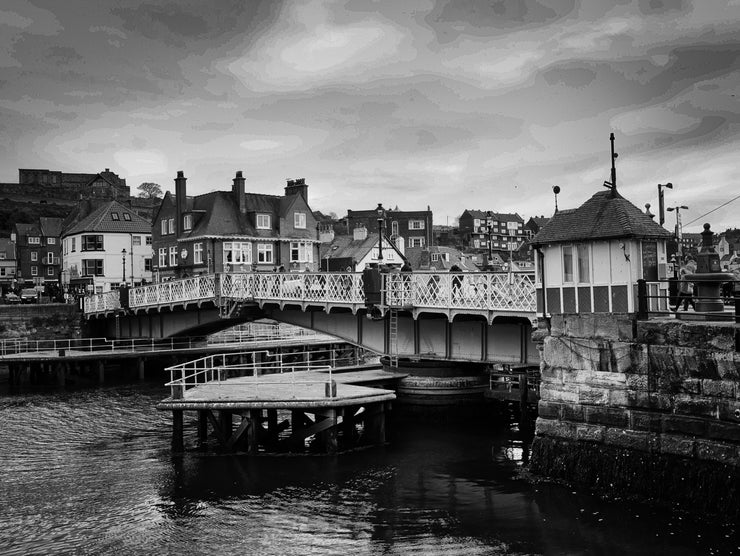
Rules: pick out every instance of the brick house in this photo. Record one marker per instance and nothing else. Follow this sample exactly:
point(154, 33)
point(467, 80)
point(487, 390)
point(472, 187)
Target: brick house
point(234, 231)
point(413, 227)
point(479, 228)
point(38, 250)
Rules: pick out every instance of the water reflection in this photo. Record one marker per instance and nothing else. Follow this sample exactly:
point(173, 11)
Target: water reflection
point(91, 473)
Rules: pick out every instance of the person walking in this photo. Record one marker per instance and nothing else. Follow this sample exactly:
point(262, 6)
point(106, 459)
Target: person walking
point(685, 290)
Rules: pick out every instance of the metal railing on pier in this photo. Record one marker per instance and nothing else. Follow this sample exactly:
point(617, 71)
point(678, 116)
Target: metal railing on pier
point(663, 298)
point(225, 368)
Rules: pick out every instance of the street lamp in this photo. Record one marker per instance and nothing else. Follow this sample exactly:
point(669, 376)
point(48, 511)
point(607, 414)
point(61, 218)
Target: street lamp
point(489, 229)
point(661, 203)
point(381, 216)
point(679, 229)
point(123, 262)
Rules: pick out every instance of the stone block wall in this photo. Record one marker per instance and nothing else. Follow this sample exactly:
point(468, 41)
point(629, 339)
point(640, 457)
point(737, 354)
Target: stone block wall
point(40, 322)
point(649, 409)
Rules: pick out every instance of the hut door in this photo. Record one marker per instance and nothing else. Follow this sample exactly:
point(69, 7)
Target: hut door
point(650, 261)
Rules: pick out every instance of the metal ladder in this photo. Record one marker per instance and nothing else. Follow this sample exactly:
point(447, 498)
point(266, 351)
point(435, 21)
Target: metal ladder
point(393, 337)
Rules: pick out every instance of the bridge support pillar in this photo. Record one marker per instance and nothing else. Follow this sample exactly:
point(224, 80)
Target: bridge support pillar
point(202, 426)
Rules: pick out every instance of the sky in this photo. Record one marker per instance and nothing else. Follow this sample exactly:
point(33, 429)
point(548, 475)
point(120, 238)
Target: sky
point(451, 105)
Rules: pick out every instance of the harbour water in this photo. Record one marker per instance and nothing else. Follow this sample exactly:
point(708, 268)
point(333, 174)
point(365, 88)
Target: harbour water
point(91, 472)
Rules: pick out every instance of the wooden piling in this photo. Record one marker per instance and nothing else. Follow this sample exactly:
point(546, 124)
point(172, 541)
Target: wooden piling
point(177, 428)
point(142, 369)
point(202, 426)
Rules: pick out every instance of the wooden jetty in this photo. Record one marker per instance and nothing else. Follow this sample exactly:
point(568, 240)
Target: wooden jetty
point(304, 411)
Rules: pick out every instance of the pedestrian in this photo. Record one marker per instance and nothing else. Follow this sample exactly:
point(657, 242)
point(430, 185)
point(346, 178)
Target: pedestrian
point(685, 289)
point(456, 281)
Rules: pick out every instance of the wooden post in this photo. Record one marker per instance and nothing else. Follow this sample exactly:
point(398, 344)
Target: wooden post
point(224, 417)
point(61, 381)
point(523, 406)
point(202, 426)
point(254, 416)
point(101, 375)
point(142, 369)
point(272, 430)
point(329, 436)
point(348, 427)
point(177, 425)
point(375, 424)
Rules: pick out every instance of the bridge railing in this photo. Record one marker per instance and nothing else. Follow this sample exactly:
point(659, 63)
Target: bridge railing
point(473, 290)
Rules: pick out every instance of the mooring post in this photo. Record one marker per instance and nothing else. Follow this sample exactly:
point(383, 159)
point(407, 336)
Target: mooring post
point(254, 416)
point(177, 425)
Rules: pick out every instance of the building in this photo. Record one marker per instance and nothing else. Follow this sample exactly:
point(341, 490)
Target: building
point(109, 247)
point(439, 258)
point(590, 258)
point(491, 231)
point(404, 228)
point(351, 253)
point(38, 248)
point(534, 225)
point(234, 231)
point(7, 265)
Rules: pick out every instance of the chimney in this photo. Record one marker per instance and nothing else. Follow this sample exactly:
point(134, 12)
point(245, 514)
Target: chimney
point(107, 169)
point(180, 200)
point(297, 186)
point(360, 233)
point(238, 189)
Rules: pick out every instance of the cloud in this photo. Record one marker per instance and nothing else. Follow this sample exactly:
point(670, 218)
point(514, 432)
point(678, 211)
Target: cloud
point(141, 162)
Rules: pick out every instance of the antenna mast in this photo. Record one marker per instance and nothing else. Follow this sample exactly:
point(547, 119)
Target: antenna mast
point(612, 184)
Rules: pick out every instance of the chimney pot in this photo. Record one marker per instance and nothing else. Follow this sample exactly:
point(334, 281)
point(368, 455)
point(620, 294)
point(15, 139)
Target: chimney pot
point(107, 169)
point(180, 174)
point(239, 174)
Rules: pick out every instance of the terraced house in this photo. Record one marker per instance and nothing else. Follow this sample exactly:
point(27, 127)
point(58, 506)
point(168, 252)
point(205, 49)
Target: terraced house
point(234, 231)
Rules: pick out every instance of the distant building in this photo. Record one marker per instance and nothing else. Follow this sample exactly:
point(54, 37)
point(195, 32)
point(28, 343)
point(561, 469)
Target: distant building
point(439, 258)
point(234, 231)
point(351, 253)
point(413, 228)
point(7, 265)
point(494, 231)
point(690, 242)
point(533, 225)
point(38, 248)
point(109, 247)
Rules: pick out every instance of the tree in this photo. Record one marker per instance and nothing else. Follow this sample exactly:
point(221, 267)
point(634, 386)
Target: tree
point(149, 190)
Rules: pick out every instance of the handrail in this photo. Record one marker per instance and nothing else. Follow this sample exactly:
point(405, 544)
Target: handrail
point(659, 297)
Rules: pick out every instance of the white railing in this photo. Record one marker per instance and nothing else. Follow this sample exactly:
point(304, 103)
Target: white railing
point(226, 368)
point(475, 290)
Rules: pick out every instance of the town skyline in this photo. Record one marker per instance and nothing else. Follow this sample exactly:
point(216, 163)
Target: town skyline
point(455, 106)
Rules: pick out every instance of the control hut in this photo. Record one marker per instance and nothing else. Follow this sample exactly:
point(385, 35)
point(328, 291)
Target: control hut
point(590, 258)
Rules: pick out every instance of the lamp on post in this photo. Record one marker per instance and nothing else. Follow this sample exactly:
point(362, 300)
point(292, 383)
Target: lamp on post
point(381, 217)
point(679, 230)
point(489, 229)
point(661, 202)
point(123, 261)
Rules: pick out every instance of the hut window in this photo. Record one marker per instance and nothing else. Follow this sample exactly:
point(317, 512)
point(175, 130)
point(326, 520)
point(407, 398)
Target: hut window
point(584, 274)
point(567, 263)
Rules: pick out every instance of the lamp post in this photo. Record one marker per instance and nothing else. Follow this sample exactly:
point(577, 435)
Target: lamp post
point(679, 229)
point(661, 202)
point(489, 229)
point(381, 216)
point(123, 262)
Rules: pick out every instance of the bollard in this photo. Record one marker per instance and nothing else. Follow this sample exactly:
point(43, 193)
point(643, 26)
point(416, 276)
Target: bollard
point(330, 389)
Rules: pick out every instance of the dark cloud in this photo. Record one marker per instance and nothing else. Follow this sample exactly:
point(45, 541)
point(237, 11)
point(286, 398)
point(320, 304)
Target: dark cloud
point(481, 17)
point(62, 55)
point(652, 7)
point(577, 77)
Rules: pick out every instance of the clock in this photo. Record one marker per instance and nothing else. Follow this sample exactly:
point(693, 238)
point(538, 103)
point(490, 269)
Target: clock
point(184, 254)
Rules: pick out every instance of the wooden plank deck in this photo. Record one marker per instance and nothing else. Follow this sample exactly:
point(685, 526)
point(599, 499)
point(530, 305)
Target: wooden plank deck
point(304, 390)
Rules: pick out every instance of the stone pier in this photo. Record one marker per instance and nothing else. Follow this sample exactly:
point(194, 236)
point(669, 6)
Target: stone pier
point(643, 409)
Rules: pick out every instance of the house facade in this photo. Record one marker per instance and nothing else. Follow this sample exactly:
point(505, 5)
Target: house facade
point(404, 228)
point(345, 253)
point(109, 247)
point(8, 279)
point(38, 248)
point(234, 231)
point(494, 231)
point(590, 258)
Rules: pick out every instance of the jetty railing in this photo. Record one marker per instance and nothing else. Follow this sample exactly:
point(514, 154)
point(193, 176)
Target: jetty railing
point(470, 290)
point(226, 368)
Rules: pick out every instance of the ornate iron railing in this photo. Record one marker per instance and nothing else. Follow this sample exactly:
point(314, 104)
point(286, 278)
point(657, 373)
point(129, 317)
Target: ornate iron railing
point(472, 291)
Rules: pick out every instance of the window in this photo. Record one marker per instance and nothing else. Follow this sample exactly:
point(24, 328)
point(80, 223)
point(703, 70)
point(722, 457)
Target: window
point(148, 264)
point(394, 228)
point(148, 240)
point(198, 253)
point(264, 222)
point(34, 256)
point(164, 227)
point(584, 275)
point(299, 221)
point(50, 271)
point(33, 240)
point(127, 217)
point(51, 241)
point(416, 224)
point(237, 252)
point(171, 225)
point(476, 222)
point(419, 242)
point(50, 258)
point(114, 216)
point(34, 271)
point(187, 222)
point(476, 243)
point(173, 255)
point(435, 257)
point(162, 257)
point(567, 263)
point(92, 243)
point(136, 240)
point(3, 255)
point(264, 252)
point(74, 240)
point(301, 252)
point(92, 267)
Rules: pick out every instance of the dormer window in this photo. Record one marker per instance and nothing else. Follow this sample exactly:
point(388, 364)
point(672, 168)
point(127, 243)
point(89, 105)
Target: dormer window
point(127, 217)
point(299, 220)
point(264, 222)
point(164, 227)
point(187, 222)
point(114, 216)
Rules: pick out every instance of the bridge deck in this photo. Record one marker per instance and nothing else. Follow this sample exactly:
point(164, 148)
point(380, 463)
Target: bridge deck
point(304, 390)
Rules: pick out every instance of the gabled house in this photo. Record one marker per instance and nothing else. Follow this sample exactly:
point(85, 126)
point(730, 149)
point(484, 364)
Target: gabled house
point(347, 253)
point(404, 228)
point(234, 231)
point(590, 258)
point(7, 265)
point(38, 251)
point(439, 258)
point(109, 247)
